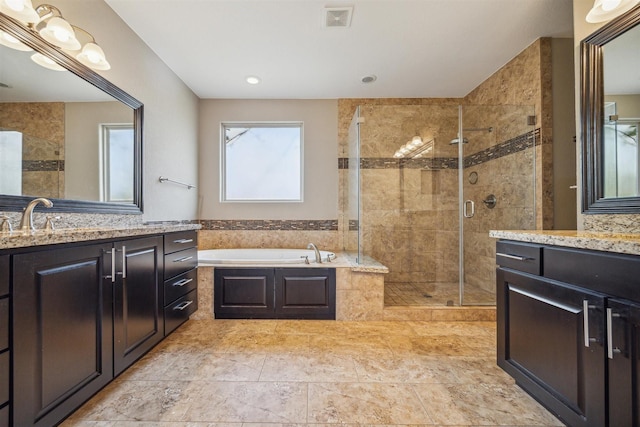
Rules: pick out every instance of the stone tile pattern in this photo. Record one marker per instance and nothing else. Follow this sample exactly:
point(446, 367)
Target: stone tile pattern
point(42, 144)
point(270, 225)
point(286, 373)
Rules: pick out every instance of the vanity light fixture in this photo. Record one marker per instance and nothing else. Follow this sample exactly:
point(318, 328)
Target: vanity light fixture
point(253, 80)
point(414, 149)
point(52, 27)
point(606, 10)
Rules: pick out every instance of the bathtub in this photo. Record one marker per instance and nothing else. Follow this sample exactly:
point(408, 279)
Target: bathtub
point(259, 256)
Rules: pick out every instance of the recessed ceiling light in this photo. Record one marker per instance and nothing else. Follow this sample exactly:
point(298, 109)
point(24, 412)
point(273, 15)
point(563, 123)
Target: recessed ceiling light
point(369, 79)
point(253, 80)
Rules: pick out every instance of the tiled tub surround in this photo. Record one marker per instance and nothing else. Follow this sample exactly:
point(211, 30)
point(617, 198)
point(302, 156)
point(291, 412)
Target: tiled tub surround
point(359, 287)
point(283, 372)
point(231, 234)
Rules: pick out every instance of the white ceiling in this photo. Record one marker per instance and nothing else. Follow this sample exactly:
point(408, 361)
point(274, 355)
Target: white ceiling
point(416, 48)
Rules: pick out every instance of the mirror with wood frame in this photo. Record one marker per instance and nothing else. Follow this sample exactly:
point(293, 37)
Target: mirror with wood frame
point(68, 135)
point(610, 117)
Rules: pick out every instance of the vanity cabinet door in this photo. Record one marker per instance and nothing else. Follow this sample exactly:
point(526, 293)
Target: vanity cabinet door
point(138, 302)
point(62, 331)
point(243, 293)
point(305, 293)
point(552, 346)
point(623, 341)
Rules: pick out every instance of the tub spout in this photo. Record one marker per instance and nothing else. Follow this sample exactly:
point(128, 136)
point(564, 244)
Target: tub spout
point(315, 249)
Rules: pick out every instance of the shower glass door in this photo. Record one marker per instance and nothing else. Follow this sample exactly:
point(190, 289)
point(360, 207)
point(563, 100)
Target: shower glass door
point(496, 179)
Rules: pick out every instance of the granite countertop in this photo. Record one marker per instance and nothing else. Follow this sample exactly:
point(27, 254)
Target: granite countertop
point(625, 243)
point(18, 239)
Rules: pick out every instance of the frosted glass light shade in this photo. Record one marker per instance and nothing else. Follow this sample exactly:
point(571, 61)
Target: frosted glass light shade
point(606, 10)
point(8, 40)
point(22, 10)
point(92, 56)
point(59, 32)
point(45, 62)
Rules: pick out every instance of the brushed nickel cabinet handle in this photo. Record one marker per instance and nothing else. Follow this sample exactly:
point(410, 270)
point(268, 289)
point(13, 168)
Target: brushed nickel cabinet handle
point(182, 241)
point(585, 311)
point(187, 258)
point(516, 257)
point(610, 349)
point(183, 305)
point(182, 282)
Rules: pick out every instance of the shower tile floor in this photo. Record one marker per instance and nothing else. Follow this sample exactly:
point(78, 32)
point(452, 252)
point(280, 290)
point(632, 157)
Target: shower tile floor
point(433, 294)
point(244, 373)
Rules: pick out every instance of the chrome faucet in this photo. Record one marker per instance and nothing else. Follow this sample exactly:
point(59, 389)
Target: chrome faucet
point(26, 222)
point(315, 249)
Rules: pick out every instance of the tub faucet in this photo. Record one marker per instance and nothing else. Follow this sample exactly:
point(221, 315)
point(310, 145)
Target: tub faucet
point(26, 222)
point(315, 249)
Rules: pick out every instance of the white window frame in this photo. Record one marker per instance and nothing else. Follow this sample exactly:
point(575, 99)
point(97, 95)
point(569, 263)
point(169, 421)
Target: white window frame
point(223, 172)
point(105, 178)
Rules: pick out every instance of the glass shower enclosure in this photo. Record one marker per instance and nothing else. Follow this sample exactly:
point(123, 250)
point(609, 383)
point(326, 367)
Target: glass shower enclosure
point(426, 183)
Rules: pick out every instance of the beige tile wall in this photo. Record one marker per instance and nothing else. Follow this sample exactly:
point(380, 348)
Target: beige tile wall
point(43, 141)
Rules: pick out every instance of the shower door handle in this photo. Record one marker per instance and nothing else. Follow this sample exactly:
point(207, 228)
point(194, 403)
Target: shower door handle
point(466, 212)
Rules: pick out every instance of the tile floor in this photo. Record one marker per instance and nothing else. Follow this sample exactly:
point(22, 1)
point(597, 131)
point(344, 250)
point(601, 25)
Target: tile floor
point(433, 294)
point(246, 373)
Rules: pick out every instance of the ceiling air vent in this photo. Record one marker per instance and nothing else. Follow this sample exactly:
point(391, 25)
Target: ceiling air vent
point(337, 17)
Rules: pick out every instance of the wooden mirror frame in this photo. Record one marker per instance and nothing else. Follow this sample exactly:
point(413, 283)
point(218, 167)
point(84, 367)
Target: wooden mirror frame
point(33, 40)
point(592, 115)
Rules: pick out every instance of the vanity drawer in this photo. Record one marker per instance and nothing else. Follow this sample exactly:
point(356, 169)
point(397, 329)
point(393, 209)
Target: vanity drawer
point(174, 242)
point(4, 324)
point(180, 285)
point(180, 262)
point(179, 311)
point(4, 275)
point(4, 377)
point(519, 256)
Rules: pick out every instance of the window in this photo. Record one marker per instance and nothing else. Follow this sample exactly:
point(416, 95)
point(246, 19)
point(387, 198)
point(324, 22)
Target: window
point(117, 163)
point(261, 162)
point(11, 163)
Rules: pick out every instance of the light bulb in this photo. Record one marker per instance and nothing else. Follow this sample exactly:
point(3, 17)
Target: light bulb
point(608, 5)
point(93, 56)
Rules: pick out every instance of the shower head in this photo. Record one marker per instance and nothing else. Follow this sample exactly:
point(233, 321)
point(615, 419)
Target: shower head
point(457, 140)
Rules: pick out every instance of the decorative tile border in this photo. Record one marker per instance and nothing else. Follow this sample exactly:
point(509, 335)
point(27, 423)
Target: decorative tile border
point(42, 165)
point(270, 225)
point(514, 145)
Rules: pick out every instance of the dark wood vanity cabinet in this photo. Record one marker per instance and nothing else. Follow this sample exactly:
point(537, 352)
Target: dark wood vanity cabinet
point(5, 354)
point(280, 293)
point(568, 330)
point(180, 278)
point(73, 316)
point(137, 317)
point(62, 331)
point(623, 362)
